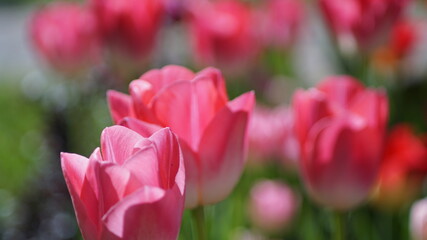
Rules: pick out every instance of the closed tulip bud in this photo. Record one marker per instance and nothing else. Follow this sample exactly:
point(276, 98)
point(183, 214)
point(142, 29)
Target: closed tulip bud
point(212, 130)
point(130, 188)
point(418, 220)
point(367, 23)
point(223, 34)
point(340, 126)
point(272, 206)
point(65, 35)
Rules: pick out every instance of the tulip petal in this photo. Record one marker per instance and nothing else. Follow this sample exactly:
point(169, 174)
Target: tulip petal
point(118, 143)
point(223, 149)
point(160, 78)
point(143, 128)
point(142, 94)
point(119, 104)
point(144, 166)
point(373, 106)
point(341, 89)
point(74, 168)
point(149, 213)
point(192, 176)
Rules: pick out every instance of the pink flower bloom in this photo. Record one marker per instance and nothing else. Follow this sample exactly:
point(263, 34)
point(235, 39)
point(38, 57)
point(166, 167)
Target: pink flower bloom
point(130, 188)
point(211, 129)
point(223, 34)
point(367, 22)
point(271, 135)
point(418, 220)
point(64, 34)
point(279, 22)
point(272, 205)
point(340, 126)
point(129, 27)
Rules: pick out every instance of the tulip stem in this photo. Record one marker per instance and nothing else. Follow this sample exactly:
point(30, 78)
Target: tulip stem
point(199, 219)
point(340, 230)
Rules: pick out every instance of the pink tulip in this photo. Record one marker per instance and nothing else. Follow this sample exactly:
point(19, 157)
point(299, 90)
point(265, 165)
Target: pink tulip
point(340, 126)
point(64, 34)
point(279, 22)
point(223, 34)
point(367, 22)
point(272, 205)
point(418, 220)
point(271, 135)
point(130, 188)
point(211, 129)
point(129, 27)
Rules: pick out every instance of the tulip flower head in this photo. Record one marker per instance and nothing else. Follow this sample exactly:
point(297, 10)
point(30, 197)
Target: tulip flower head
point(64, 34)
point(130, 188)
point(340, 126)
point(272, 205)
point(211, 129)
point(366, 22)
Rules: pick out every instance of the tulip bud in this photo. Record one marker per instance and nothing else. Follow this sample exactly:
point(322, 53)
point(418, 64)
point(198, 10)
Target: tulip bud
point(340, 126)
point(272, 206)
point(64, 34)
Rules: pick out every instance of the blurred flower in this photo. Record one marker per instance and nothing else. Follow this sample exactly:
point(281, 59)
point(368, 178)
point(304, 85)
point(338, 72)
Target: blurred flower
point(367, 23)
point(223, 34)
point(418, 220)
point(129, 27)
point(272, 206)
point(212, 130)
point(340, 126)
point(271, 135)
point(279, 22)
point(64, 34)
point(403, 169)
point(131, 188)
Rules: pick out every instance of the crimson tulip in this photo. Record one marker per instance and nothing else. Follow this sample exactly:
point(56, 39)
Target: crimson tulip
point(130, 188)
point(211, 129)
point(340, 126)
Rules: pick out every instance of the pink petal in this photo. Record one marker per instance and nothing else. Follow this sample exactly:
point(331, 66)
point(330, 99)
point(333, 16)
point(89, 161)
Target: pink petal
point(118, 143)
point(192, 176)
point(149, 213)
point(218, 79)
point(142, 94)
point(372, 106)
point(83, 196)
point(144, 166)
point(188, 107)
point(341, 89)
point(160, 78)
point(222, 149)
point(119, 104)
point(143, 128)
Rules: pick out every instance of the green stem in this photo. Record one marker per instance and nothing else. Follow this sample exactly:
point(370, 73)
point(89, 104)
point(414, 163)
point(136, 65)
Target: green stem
point(340, 230)
point(199, 220)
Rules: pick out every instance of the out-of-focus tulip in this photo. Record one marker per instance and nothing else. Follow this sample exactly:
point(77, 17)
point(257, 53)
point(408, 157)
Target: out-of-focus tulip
point(130, 188)
point(279, 22)
point(403, 169)
point(366, 23)
point(223, 34)
point(418, 220)
point(271, 135)
point(212, 130)
point(64, 34)
point(340, 126)
point(272, 205)
point(129, 27)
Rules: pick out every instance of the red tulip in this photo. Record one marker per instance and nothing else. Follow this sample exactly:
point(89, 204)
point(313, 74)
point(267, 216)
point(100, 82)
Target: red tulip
point(367, 22)
point(279, 22)
point(223, 34)
point(130, 188)
point(271, 135)
point(211, 129)
point(272, 205)
point(403, 169)
point(129, 27)
point(64, 34)
point(340, 126)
